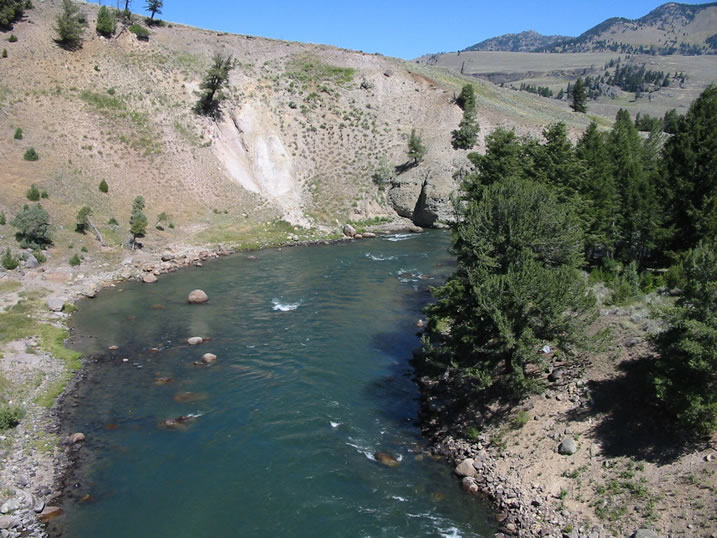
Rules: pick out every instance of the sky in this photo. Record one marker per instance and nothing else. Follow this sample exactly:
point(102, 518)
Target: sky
point(401, 28)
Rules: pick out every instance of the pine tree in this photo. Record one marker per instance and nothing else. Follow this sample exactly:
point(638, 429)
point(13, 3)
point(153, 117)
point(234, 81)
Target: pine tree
point(580, 96)
point(211, 94)
point(154, 7)
point(68, 26)
point(106, 22)
point(416, 147)
point(137, 220)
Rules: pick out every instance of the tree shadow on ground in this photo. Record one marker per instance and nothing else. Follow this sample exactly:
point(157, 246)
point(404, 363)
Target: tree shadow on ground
point(628, 421)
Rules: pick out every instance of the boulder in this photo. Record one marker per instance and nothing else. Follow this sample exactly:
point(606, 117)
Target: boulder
point(567, 447)
point(556, 374)
point(113, 348)
point(30, 261)
point(349, 231)
point(645, 533)
point(11, 505)
point(465, 468)
point(167, 256)
point(149, 278)
point(9, 522)
point(369, 235)
point(195, 340)
point(470, 485)
point(209, 358)
point(197, 297)
point(50, 512)
point(77, 437)
point(56, 304)
point(387, 459)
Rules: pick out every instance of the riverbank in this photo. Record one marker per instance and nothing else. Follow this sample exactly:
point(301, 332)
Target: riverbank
point(587, 458)
point(33, 456)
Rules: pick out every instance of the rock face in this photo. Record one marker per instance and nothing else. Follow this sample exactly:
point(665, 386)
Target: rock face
point(197, 297)
point(434, 205)
point(567, 447)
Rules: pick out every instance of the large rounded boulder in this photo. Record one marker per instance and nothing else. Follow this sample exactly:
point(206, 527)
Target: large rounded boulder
point(197, 297)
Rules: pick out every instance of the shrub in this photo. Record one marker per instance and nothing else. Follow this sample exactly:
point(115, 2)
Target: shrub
point(33, 194)
point(9, 261)
point(106, 22)
point(31, 155)
point(69, 24)
point(12, 38)
point(18, 134)
point(10, 416)
point(33, 224)
point(140, 31)
point(39, 256)
point(4, 53)
point(3, 220)
point(103, 186)
point(113, 222)
point(75, 260)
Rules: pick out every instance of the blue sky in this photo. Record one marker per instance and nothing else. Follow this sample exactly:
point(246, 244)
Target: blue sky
point(406, 29)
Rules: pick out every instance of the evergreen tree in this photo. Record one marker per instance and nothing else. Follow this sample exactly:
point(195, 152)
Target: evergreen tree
point(103, 186)
point(137, 220)
point(517, 286)
point(106, 22)
point(467, 98)
point(686, 371)
point(33, 227)
point(466, 136)
point(416, 147)
point(10, 11)
point(690, 173)
point(580, 96)
point(68, 26)
point(154, 7)
point(83, 217)
point(211, 94)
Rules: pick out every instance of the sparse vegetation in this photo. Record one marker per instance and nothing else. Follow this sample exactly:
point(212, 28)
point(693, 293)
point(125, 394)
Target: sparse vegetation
point(33, 193)
point(104, 188)
point(31, 155)
point(18, 134)
point(9, 262)
point(140, 31)
point(10, 416)
point(416, 148)
point(75, 260)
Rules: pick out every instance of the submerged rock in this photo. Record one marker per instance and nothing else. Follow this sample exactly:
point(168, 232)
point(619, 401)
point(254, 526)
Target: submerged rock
point(197, 297)
point(386, 458)
point(195, 340)
point(149, 278)
point(178, 423)
point(77, 437)
point(163, 380)
point(209, 358)
point(50, 512)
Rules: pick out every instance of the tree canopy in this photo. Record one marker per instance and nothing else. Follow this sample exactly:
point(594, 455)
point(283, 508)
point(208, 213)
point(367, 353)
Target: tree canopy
point(211, 95)
point(33, 227)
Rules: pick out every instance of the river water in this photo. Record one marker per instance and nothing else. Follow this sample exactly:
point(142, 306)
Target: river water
point(312, 379)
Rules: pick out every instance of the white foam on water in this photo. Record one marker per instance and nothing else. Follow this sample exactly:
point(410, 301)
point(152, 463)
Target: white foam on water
point(379, 258)
point(400, 237)
point(366, 451)
point(284, 307)
point(400, 499)
point(334, 424)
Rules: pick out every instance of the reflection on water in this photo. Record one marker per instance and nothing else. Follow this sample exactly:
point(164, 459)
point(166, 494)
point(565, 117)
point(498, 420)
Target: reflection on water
point(303, 426)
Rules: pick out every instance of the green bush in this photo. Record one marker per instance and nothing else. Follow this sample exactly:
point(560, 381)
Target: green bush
point(106, 22)
point(12, 38)
point(39, 256)
point(103, 186)
point(113, 222)
point(9, 261)
point(33, 224)
point(31, 155)
point(10, 416)
point(75, 260)
point(33, 193)
point(140, 31)
point(18, 134)
point(4, 53)
point(3, 220)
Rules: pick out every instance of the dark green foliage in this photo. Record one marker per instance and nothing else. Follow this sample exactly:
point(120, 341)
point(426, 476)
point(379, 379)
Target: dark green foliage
point(33, 227)
point(83, 216)
point(12, 38)
point(10, 416)
point(137, 220)
point(113, 222)
point(106, 22)
point(690, 172)
point(30, 155)
point(140, 31)
point(75, 260)
point(467, 98)
point(4, 53)
point(686, 371)
point(518, 285)
point(68, 25)
point(671, 121)
point(9, 261)
point(33, 193)
point(3, 220)
point(103, 186)
point(416, 147)
point(645, 122)
point(10, 11)
point(580, 96)
point(211, 95)
point(18, 134)
point(154, 7)
point(543, 91)
point(466, 136)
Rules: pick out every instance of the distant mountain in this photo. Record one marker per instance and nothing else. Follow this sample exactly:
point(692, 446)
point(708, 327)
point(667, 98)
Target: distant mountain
point(522, 42)
point(669, 29)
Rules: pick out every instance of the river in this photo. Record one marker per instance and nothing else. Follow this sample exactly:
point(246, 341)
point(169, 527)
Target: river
point(312, 379)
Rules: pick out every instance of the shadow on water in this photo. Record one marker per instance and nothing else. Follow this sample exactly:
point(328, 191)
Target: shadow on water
point(628, 422)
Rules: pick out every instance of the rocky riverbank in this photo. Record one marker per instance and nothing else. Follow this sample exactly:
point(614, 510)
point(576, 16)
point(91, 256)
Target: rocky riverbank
point(588, 457)
point(34, 458)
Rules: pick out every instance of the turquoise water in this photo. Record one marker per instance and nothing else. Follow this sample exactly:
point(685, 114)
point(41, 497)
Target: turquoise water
point(312, 379)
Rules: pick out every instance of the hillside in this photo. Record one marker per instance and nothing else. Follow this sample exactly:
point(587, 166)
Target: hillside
point(304, 130)
point(669, 29)
point(672, 28)
point(527, 41)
